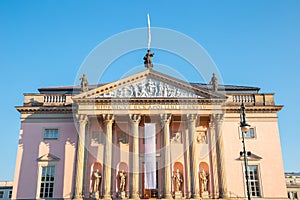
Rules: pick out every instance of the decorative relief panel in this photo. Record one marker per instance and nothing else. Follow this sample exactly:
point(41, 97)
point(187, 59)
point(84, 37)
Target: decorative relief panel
point(201, 137)
point(150, 88)
point(97, 138)
point(177, 138)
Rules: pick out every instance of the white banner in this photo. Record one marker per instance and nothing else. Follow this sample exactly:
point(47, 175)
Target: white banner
point(150, 156)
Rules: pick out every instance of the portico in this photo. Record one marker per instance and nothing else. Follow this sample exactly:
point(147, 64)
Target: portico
point(180, 114)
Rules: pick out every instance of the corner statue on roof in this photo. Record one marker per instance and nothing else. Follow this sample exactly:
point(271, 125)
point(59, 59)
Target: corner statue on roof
point(84, 83)
point(148, 59)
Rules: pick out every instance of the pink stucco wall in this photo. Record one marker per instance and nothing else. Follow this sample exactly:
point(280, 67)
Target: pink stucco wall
point(266, 144)
point(32, 146)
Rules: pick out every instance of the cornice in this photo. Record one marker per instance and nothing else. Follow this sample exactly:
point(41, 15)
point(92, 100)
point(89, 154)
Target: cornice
point(254, 109)
point(42, 109)
point(149, 101)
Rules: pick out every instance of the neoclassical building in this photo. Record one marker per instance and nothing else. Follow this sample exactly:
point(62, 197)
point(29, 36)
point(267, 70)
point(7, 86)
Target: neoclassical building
point(148, 135)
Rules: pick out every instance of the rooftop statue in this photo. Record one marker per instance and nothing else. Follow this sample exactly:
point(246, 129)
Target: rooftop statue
point(148, 59)
point(84, 83)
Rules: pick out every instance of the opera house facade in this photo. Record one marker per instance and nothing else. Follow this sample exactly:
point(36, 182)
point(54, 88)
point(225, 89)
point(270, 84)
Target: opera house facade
point(148, 135)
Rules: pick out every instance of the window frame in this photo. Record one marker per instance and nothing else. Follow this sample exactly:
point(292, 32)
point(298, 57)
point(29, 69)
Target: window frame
point(2, 194)
point(39, 181)
point(49, 138)
point(245, 135)
point(259, 181)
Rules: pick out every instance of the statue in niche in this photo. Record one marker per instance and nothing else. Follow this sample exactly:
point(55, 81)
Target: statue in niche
point(177, 139)
point(84, 83)
point(96, 177)
point(201, 137)
point(148, 59)
point(122, 181)
point(177, 178)
point(203, 178)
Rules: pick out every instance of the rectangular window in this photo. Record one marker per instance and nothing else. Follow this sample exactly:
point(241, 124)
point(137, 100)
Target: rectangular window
point(250, 134)
point(1, 194)
point(47, 182)
point(51, 134)
point(295, 195)
point(10, 194)
point(254, 181)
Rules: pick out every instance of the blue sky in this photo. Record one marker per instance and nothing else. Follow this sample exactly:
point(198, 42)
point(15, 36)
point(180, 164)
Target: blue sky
point(43, 43)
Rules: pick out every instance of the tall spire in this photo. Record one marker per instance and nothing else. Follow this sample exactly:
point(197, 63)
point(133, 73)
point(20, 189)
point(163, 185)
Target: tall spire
point(148, 57)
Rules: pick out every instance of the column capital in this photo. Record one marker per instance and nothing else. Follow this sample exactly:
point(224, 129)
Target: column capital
point(165, 118)
point(82, 119)
point(219, 117)
point(135, 118)
point(108, 118)
point(191, 117)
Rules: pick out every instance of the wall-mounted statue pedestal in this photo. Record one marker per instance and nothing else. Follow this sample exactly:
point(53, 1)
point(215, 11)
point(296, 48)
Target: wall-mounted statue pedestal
point(205, 195)
point(178, 195)
point(123, 195)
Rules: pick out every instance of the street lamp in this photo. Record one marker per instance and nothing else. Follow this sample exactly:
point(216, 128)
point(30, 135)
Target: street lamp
point(245, 128)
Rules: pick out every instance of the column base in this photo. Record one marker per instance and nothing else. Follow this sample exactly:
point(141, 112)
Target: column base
point(196, 196)
point(168, 196)
point(95, 195)
point(135, 196)
point(107, 197)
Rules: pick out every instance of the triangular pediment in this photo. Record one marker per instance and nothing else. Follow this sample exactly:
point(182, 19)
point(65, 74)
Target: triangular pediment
point(251, 156)
point(48, 158)
point(148, 84)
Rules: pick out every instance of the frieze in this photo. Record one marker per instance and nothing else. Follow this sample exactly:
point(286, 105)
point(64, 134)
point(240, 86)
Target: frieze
point(150, 88)
point(149, 107)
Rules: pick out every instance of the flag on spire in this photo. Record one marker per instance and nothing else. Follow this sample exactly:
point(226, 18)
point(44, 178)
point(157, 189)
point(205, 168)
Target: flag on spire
point(149, 33)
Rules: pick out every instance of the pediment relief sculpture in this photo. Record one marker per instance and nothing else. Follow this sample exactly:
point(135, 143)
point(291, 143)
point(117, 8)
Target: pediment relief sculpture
point(150, 88)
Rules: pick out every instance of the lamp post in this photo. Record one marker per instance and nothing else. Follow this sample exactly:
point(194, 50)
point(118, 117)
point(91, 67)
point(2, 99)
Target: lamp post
point(245, 128)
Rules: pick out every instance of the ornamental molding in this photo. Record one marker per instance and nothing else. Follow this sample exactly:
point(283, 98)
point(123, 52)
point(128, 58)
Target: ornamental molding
point(48, 158)
point(149, 84)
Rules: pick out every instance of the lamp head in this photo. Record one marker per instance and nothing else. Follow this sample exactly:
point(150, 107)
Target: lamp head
point(244, 127)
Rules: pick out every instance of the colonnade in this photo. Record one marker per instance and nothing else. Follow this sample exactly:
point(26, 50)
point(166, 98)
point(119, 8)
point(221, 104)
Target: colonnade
point(218, 177)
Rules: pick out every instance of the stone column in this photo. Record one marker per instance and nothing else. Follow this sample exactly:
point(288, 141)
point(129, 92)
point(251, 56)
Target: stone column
point(187, 162)
point(214, 172)
point(165, 121)
point(108, 120)
point(82, 120)
point(192, 118)
point(218, 120)
point(135, 121)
